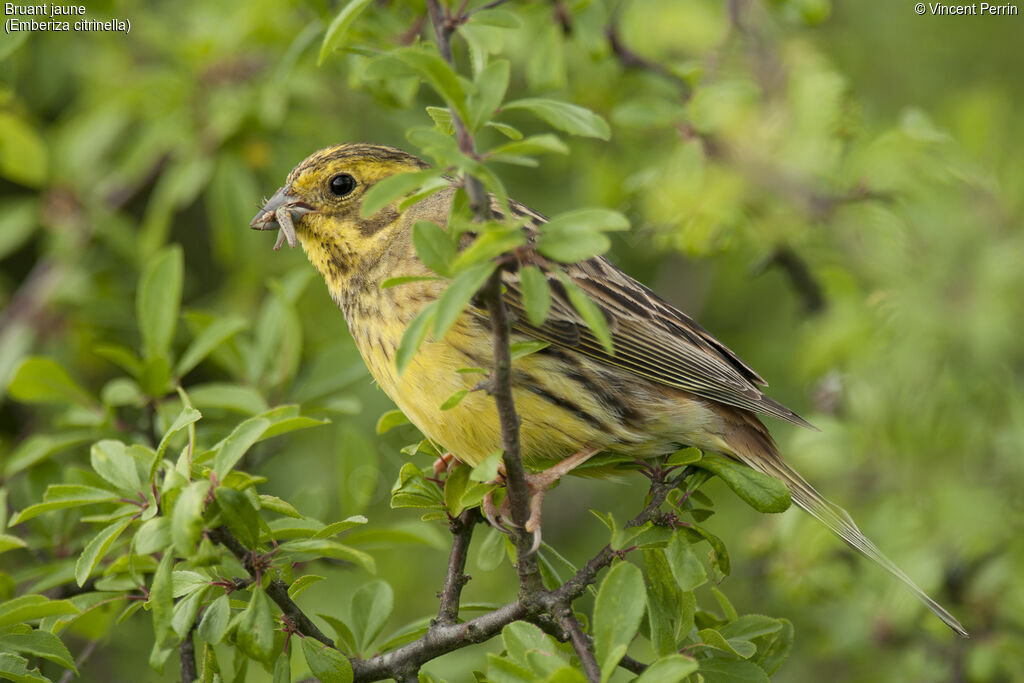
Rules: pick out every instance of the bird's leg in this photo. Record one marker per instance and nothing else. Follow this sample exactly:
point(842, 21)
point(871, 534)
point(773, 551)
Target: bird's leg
point(444, 464)
point(537, 486)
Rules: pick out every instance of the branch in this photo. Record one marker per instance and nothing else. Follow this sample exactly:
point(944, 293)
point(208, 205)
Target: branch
point(582, 645)
point(530, 582)
point(587, 574)
point(438, 641)
point(187, 657)
point(455, 579)
point(277, 590)
point(800, 277)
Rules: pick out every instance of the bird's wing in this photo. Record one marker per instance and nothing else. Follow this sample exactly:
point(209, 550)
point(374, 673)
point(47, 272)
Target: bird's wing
point(651, 338)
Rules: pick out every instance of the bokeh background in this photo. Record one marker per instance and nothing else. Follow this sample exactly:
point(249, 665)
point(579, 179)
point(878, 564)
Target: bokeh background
point(834, 189)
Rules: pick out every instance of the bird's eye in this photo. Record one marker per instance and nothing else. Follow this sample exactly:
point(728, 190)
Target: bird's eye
point(342, 184)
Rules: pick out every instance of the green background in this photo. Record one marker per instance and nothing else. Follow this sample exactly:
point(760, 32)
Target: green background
point(882, 148)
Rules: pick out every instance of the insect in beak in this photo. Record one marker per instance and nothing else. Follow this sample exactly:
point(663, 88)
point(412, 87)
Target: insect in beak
point(280, 212)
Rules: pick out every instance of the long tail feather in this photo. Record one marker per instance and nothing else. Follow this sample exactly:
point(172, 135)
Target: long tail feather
point(761, 454)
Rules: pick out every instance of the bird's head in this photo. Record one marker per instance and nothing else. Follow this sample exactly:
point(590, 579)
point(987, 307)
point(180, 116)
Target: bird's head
point(320, 202)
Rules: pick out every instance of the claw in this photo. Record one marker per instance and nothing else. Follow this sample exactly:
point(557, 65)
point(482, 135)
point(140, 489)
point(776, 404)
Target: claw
point(537, 486)
point(444, 464)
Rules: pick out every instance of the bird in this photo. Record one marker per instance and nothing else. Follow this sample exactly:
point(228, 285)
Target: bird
point(667, 383)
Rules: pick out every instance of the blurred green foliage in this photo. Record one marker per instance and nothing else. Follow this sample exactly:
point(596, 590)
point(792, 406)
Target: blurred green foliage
point(833, 189)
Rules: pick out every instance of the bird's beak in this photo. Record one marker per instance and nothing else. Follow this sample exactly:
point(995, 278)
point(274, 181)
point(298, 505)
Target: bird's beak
point(280, 213)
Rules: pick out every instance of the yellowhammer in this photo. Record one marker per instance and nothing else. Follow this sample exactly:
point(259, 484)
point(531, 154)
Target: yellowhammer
point(669, 383)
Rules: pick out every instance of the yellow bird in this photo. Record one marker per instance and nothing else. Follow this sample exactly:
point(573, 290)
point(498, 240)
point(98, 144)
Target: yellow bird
point(669, 383)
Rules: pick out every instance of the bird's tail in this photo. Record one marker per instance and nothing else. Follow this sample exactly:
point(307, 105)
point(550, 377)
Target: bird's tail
point(755, 448)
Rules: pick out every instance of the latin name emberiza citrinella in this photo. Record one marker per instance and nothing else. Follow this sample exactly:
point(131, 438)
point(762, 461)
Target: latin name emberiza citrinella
point(669, 383)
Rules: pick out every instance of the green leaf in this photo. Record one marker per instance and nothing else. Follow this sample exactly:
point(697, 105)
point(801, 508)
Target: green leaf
point(727, 608)
point(434, 246)
point(43, 380)
point(39, 643)
point(302, 583)
point(161, 599)
point(772, 649)
point(577, 235)
point(393, 187)
point(438, 74)
point(390, 420)
point(212, 336)
point(456, 297)
point(8, 542)
point(153, 535)
point(664, 603)
point(255, 632)
point(697, 533)
point(158, 300)
point(491, 84)
point(283, 668)
point(278, 505)
point(187, 416)
point(669, 669)
point(536, 144)
point(155, 377)
point(520, 638)
point(406, 279)
point(495, 17)
point(525, 348)
point(327, 664)
point(412, 490)
point(15, 668)
point(225, 396)
point(96, 548)
point(751, 626)
point(495, 239)
point(504, 670)
point(618, 610)
point(588, 310)
point(32, 607)
point(686, 568)
point(369, 611)
point(237, 443)
point(414, 335)
point(110, 460)
point(59, 496)
point(39, 447)
point(454, 400)
point(536, 295)
point(187, 517)
point(322, 547)
point(506, 130)
point(760, 491)
point(214, 623)
point(334, 39)
point(725, 669)
point(23, 155)
point(487, 470)
point(566, 117)
point(183, 616)
point(241, 517)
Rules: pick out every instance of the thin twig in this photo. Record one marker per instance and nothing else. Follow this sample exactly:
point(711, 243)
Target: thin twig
point(800, 277)
point(83, 657)
point(277, 590)
point(515, 475)
point(455, 579)
point(581, 644)
point(187, 657)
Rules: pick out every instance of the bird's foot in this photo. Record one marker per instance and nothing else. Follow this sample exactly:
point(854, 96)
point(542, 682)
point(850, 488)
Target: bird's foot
point(537, 485)
point(444, 464)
